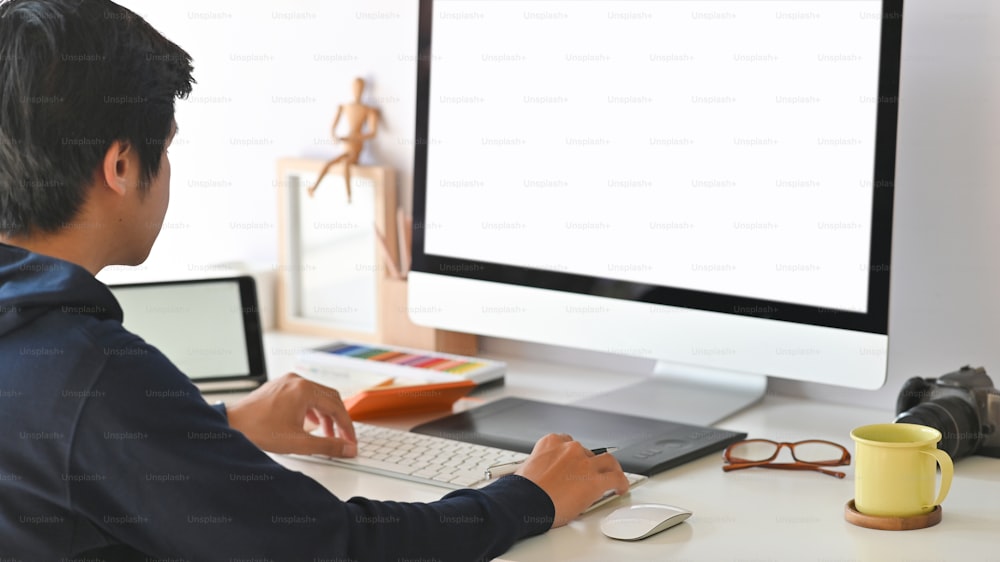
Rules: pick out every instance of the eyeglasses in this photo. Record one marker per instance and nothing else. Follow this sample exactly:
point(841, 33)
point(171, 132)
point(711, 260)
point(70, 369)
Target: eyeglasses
point(813, 454)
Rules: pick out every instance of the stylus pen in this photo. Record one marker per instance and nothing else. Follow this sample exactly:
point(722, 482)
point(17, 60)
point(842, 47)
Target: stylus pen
point(498, 470)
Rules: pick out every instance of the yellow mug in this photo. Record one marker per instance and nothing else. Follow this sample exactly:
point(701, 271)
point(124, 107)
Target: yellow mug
point(895, 469)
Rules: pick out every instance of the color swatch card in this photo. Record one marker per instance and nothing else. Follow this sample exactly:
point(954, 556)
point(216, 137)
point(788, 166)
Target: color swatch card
point(377, 364)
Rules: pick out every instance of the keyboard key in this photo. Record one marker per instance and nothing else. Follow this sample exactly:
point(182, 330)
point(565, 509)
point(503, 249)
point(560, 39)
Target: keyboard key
point(466, 478)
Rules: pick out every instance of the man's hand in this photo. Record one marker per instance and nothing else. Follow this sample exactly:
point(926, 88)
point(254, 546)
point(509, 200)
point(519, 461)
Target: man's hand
point(274, 418)
point(571, 475)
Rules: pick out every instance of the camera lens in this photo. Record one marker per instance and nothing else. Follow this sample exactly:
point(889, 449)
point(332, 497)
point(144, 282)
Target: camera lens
point(954, 418)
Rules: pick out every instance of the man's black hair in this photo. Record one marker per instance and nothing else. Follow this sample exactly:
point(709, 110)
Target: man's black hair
point(76, 76)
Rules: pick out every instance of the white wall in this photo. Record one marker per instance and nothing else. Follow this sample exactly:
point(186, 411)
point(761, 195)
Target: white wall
point(270, 75)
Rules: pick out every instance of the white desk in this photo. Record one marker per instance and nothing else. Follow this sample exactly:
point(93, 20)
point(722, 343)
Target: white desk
point(747, 515)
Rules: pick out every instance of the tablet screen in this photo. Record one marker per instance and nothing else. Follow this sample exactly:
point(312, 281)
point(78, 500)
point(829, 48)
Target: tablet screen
point(208, 328)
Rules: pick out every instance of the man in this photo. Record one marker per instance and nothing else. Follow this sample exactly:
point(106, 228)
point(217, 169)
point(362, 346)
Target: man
point(95, 462)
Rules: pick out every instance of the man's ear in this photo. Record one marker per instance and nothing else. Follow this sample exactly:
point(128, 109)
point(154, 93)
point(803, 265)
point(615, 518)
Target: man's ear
point(116, 168)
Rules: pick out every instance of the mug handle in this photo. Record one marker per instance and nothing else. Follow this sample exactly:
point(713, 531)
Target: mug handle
point(947, 471)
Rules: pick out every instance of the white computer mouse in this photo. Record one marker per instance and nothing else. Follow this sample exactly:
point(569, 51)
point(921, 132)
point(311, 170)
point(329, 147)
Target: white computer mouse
point(638, 521)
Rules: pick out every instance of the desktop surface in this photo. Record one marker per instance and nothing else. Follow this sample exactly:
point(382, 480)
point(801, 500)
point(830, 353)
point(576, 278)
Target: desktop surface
point(753, 514)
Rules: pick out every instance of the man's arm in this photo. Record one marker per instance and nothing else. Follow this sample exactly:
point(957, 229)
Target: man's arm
point(170, 477)
point(273, 415)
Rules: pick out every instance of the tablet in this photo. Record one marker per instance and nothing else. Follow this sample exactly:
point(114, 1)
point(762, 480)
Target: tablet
point(645, 446)
point(209, 328)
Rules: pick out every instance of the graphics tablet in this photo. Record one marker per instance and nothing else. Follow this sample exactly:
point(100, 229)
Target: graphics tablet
point(645, 446)
point(209, 328)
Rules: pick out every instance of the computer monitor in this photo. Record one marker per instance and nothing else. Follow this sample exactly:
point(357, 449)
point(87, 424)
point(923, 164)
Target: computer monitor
point(705, 183)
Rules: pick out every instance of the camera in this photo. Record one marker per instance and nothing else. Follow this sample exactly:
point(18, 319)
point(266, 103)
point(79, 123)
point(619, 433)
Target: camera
point(963, 405)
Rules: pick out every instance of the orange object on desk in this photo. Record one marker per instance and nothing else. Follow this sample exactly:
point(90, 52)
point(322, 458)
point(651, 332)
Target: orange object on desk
point(409, 399)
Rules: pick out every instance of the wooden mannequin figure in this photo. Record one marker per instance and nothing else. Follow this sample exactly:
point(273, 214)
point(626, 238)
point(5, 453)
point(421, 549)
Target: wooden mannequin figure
point(357, 115)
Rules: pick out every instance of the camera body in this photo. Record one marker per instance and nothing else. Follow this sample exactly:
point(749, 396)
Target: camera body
point(963, 405)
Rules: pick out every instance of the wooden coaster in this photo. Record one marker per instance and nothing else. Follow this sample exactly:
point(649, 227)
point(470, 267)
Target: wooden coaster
point(891, 523)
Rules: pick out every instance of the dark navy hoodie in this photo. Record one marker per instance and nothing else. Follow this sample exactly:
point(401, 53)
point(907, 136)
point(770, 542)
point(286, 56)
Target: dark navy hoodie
point(108, 452)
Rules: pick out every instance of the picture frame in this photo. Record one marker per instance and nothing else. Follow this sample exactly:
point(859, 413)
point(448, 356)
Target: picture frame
point(331, 266)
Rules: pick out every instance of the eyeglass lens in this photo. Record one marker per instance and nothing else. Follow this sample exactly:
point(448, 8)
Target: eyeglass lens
point(807, 451)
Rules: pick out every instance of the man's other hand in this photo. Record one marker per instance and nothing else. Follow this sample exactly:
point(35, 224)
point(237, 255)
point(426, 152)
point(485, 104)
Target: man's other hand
point(275, 417)
point(571, 475)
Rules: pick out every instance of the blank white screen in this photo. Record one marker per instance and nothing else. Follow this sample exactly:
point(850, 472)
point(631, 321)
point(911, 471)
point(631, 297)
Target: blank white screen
point(720, 146)
point(198, 326)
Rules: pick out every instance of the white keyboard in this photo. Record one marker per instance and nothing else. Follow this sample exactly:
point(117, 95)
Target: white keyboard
point(437, 461)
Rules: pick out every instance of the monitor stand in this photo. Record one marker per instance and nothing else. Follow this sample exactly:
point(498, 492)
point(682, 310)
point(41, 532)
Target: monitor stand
point(684, 394)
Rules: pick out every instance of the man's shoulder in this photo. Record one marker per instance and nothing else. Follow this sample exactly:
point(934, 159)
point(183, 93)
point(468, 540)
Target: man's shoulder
point(72, 351)
point(75, 332)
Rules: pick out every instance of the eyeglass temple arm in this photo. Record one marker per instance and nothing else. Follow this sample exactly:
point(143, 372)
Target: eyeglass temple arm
point(783, 466)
